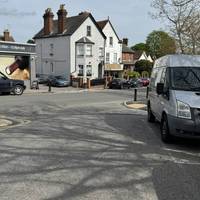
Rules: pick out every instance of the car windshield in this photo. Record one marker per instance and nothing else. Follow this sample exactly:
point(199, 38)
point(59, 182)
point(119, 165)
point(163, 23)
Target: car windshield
point(186, 78)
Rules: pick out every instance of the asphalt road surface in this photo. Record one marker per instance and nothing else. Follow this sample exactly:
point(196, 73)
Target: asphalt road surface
point(88, 146)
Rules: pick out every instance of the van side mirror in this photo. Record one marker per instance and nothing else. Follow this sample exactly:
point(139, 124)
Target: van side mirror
point(160, 88)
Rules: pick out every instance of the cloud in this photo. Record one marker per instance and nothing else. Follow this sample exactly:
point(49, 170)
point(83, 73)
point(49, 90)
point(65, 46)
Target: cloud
point(15, 12)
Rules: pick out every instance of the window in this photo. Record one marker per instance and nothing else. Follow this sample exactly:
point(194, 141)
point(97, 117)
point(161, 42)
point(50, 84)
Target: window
point(107, 57)
point(89, 70)
point(80, 70)
point(80, 50)
point(89, 50)
point(51, 49)
point(115, 58)
point(101, 52)
point(111, 41)
point(52, 68)
point(88, 30)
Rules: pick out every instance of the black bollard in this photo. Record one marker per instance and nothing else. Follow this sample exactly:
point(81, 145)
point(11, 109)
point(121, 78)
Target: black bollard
point(49, 84)
point(147, 94)
point(135, 94)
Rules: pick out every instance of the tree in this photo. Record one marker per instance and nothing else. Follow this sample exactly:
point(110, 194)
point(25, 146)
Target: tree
point(140, 47)
point(179, 15)
point(143, 65)
point(160, 43)
point(30, 41)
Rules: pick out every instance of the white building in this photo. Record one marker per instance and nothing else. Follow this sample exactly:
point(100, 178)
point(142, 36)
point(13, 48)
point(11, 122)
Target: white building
point(145, 57)
point(113, 49)
point(70, 46)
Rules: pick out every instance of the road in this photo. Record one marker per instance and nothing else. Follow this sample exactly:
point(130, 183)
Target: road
point(88, 146)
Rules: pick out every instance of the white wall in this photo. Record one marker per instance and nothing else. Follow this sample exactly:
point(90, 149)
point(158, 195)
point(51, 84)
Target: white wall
point(116, 48)
point(95, 37)
point(60, 57)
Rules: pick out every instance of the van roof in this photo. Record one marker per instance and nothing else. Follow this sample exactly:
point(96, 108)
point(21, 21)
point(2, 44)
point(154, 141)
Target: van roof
point(178, 60)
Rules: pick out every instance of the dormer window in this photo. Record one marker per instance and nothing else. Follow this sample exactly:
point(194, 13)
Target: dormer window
point(89, 31)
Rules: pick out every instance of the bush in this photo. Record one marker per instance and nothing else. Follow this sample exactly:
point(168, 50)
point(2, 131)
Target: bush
point(134, 74)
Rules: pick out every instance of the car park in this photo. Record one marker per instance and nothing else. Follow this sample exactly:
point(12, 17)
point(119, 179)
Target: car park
point(174, 96)
point(119, 83)
point(58, 81)
point(8, 86)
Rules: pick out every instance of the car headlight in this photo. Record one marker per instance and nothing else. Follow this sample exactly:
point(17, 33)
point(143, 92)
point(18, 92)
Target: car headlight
point(183, 110)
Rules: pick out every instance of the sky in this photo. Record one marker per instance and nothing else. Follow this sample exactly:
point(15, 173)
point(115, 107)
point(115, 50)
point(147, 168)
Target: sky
point(130, 18)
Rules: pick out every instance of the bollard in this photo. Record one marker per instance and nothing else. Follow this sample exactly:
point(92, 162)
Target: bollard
point(49, 84)
point(135, 95)
point(147, 94)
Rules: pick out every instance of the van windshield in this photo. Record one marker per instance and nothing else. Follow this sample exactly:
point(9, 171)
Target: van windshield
point(186, 78)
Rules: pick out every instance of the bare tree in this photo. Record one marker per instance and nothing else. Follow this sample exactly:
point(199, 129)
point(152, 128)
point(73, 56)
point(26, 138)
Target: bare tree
point(182, 18)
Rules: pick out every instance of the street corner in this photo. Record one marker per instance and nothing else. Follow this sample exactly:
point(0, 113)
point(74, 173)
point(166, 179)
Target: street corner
point(135, 105)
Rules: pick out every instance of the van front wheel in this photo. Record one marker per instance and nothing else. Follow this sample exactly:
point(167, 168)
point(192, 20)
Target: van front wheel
point(164, 129)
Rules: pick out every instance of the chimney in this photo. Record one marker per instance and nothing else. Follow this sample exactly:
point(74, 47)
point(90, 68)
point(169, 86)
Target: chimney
point(48, 21)
point(6, 35)
point(62, 18)
point(125, 41)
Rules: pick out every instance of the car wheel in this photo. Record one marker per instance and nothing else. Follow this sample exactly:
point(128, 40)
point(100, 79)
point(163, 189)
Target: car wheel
point(18, 90)
point(164, 130)
point(150, 115)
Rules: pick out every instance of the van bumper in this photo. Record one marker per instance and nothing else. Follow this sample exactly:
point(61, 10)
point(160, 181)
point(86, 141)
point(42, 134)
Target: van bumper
point(183, 127)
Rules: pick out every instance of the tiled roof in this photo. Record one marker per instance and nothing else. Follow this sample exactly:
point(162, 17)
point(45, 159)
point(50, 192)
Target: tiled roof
point(126, 49)
point(85, 40)
point(102, 23)
point(72, 24)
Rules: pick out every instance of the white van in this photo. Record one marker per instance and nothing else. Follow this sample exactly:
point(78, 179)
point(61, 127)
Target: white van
point(174, 96)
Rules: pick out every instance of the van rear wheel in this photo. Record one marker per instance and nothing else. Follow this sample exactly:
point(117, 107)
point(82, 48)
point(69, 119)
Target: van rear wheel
point(164, 130)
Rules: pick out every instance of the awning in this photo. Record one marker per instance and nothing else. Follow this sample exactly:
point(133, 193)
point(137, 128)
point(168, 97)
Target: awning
point(113, 67)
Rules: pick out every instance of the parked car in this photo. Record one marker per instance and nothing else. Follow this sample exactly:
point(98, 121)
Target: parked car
point(135, 82)
point(144, 81)
point(174, 96)
point(42, 78)
point(8, 86)
point(58, 81)
point(119, 83)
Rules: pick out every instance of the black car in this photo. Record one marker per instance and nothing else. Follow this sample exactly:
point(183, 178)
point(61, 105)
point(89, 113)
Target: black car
point(119, 83)
point(58, 81)
point(8, 86)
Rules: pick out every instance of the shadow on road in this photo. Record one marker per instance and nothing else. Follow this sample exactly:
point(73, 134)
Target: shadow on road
point(85, 153)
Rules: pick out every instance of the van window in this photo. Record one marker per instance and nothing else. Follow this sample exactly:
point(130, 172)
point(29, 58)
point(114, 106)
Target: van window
point(186, 78)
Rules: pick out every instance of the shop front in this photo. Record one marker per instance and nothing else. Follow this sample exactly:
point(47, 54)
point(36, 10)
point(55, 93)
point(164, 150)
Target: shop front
point(18, 61)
